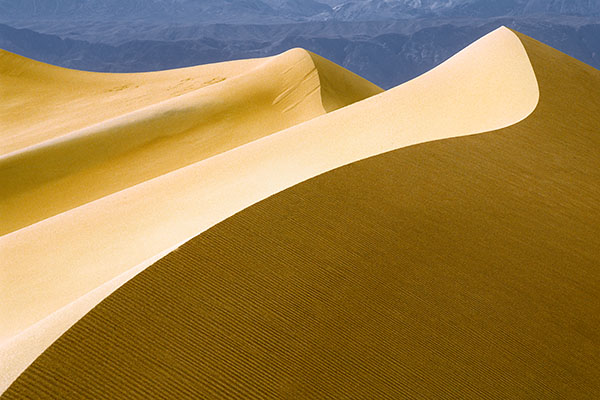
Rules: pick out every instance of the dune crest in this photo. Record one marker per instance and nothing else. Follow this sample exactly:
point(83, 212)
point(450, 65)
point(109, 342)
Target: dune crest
point(105, 157)
point(487, 86)
point(458, 268)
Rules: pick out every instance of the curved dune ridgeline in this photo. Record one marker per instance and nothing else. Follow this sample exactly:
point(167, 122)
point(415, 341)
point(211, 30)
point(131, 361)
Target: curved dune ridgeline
point(458, 268)
point(56, 270)
point(209, 109)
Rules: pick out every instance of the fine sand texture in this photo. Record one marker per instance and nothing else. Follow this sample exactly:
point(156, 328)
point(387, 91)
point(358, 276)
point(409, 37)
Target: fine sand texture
point(55, 270)
point(105, 148)
point(458, 268)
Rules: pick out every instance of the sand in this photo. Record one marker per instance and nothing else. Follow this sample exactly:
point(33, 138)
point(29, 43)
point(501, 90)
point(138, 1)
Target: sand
point(239, 102)
point(489, 85)
point(457, 268)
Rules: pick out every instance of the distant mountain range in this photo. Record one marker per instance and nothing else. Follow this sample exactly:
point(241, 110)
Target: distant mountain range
point(386, 41)
point(382, 9)
point(270, 11)
point(385, 53)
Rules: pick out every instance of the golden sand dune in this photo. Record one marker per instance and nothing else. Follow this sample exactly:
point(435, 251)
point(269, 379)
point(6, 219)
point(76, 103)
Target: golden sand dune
point(489, 85)
point(37, 97)
point(457, 268)
point(210, 109)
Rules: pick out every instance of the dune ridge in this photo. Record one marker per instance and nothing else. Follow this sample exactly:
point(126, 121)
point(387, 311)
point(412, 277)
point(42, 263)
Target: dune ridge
point(141, 221)
point(456, 268)
point(35, 112)
point(108, 156)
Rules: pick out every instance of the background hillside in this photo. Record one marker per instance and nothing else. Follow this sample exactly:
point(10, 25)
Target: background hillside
point(388, 42)
point(244, 11)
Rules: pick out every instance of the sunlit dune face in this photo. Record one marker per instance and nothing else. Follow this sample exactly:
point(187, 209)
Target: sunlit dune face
point(42, 102)
point(464, 267)
point(75, 137)
point(147, 161)
point(243, 101)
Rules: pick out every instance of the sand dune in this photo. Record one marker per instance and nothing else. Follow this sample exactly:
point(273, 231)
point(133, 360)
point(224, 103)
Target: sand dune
point(211, 109)
point(489, 85)
point(458, 268)
point(36, 96)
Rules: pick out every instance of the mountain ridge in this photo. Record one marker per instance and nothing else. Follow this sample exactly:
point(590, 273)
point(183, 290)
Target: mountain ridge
point(244, 11)
point(367, 49)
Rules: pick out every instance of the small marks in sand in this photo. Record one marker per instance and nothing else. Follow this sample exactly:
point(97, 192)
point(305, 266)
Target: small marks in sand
point(214, 80)
point(190, 84)
point(119, 88)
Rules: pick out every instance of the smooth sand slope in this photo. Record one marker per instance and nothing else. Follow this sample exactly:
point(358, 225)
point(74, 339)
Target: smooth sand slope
point(459, 268)
point(105, 147)
point(49, 267)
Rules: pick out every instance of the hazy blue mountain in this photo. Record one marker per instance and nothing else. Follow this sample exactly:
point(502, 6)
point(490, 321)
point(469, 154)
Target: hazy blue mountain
point(300, 8)
point(279, 11)
point(402, 9)
point(386, 41)
point(562, 7)
point(133, 10)
point(386, 54)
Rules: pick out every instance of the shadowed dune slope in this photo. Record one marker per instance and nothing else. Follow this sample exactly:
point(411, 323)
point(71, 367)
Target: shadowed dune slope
point(78, 136)
point(459, 268)
point(56, 270)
